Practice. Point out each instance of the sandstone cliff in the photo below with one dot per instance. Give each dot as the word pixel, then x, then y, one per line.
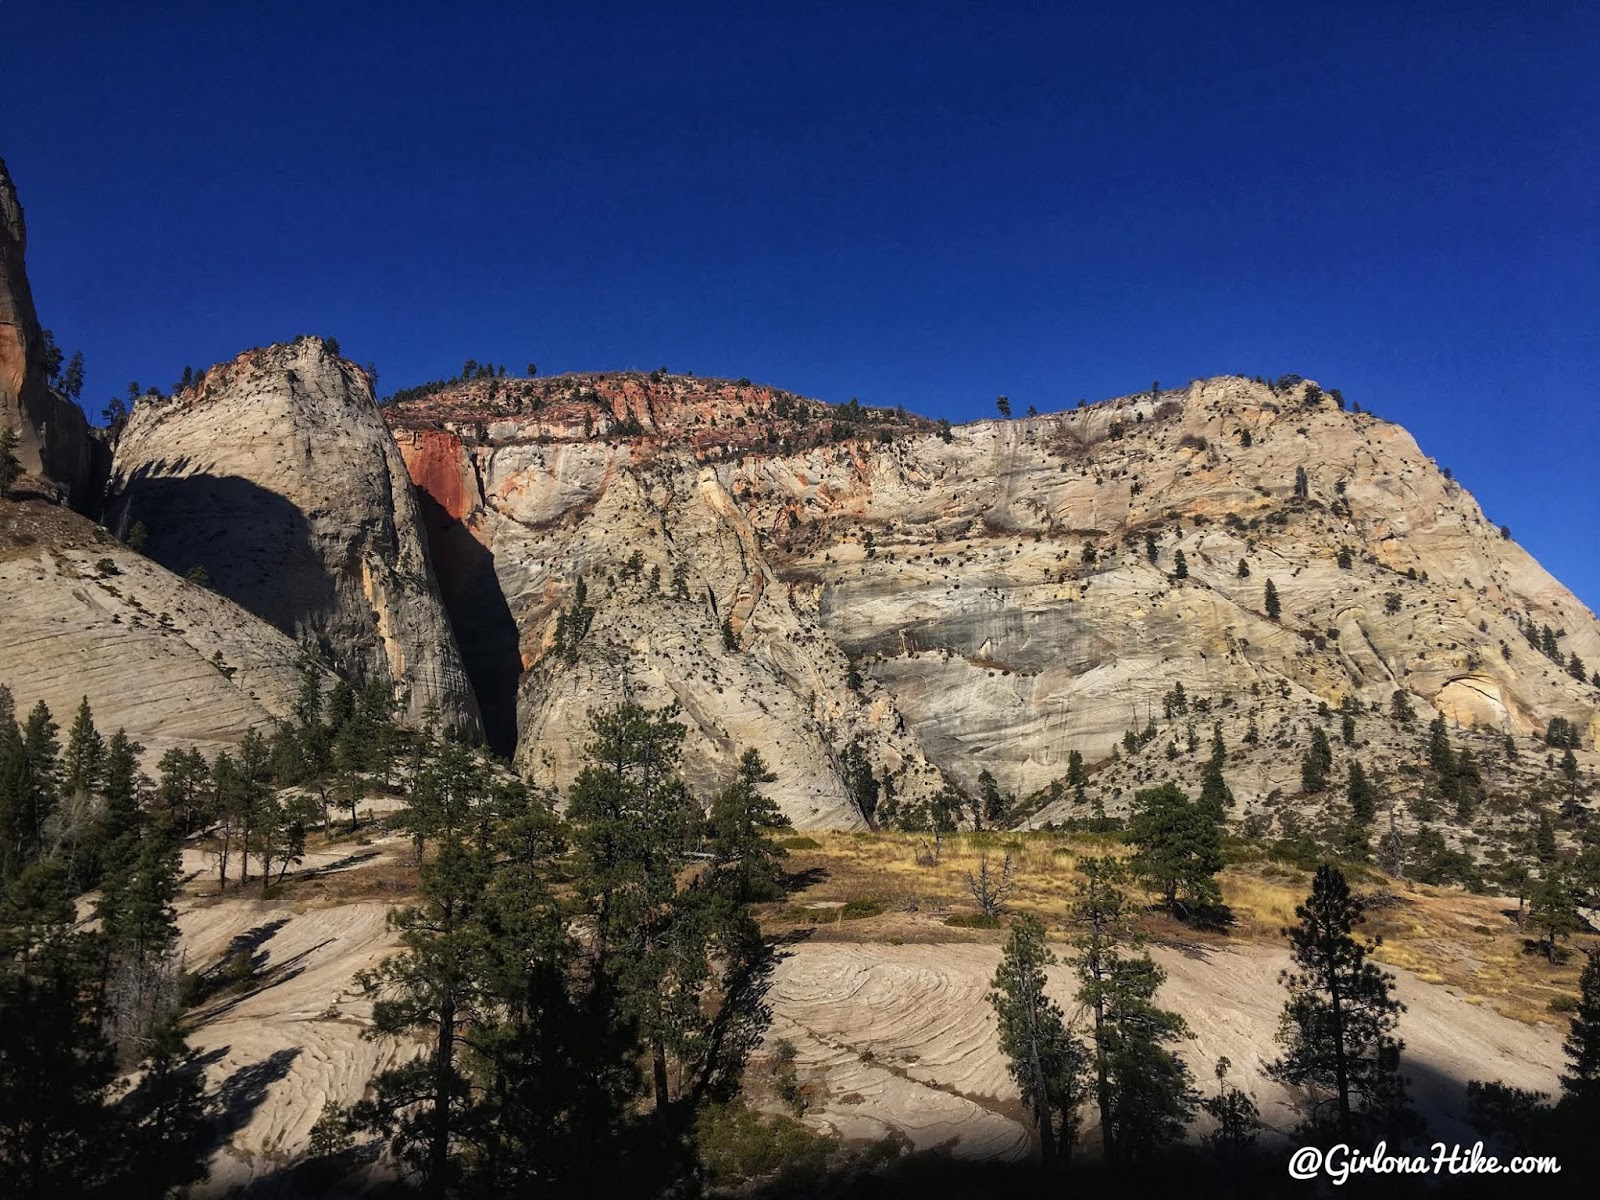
pixel 275 475
pixel 170 661
pixel 1008 590
pixel 53 435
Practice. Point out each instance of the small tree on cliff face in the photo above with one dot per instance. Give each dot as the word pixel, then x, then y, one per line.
pixel 1337 1028
pixel 1238 1120
pixel 1363 797
pixel 1274 605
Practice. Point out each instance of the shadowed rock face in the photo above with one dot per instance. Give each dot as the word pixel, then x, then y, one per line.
pixel 53 435
pixel 954 572
pixel 276 476
pixel 173 663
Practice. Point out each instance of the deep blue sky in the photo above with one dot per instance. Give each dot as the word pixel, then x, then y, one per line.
pixel 925 203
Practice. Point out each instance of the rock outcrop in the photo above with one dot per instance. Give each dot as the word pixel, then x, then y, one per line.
pixel 170 661
pixel 54 441
pixel 275 476
pixel 990 597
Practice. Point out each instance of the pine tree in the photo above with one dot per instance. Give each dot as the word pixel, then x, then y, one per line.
pixel 741 831
pixel 114 841
pixel 1216 797
pixel 1580 1085
pixel 685 961
pixel 1316 763
pixel 1180 566
pixel 56 1066
pixel 164 1125
pixel 1337 1029
pixel 554 1065
pixel 1047 1062
pixel 83 764
pixel 1179 847
pixel 1400 708
pixel 1075 775
pixel 1440 756
pixel 225 790
pixel 1274 605
pixel 144 926
pixel 1360 794
pixel 1143 1089
pixel 1553 911
pixel 1237 1117
pixel 431 989
pixel 992 802
pixel 29 780
pixel 349 753
pixel 1544 839
pixel 181 789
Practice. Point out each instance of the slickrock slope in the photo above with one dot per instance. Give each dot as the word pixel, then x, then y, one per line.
pixel 887 1037
pixel 52 433
pixel 172 662
pixel 292 1041
pixel 903 1037
pixel 993 583
pixel 276 476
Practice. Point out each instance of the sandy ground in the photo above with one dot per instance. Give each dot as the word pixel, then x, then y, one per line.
pixel 886 1036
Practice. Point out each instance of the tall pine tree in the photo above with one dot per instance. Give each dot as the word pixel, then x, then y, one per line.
pixel 1337 1028
pixel 1049 1064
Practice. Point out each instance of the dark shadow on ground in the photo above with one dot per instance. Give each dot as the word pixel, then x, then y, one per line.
pixel 246 1090
pixel 799 881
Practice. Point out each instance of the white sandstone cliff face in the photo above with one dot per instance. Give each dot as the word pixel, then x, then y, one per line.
pixel 552 515
pixel 1005 650
pixel 953 572
pixel 275 474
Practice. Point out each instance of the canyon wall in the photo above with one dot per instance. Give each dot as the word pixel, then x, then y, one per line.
pixel 985 598
pixel 53 437
pixel 275 476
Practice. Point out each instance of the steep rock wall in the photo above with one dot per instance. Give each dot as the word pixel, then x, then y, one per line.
pixel 993 584
pixel 275 475
pixel 53 435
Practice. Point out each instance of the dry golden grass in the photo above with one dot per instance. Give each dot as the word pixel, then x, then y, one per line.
pixel 884 867
pixel 1441 935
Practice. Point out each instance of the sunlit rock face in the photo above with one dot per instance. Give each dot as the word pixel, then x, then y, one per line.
pixel 991 597
pixel 53 438
pixel 275 475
